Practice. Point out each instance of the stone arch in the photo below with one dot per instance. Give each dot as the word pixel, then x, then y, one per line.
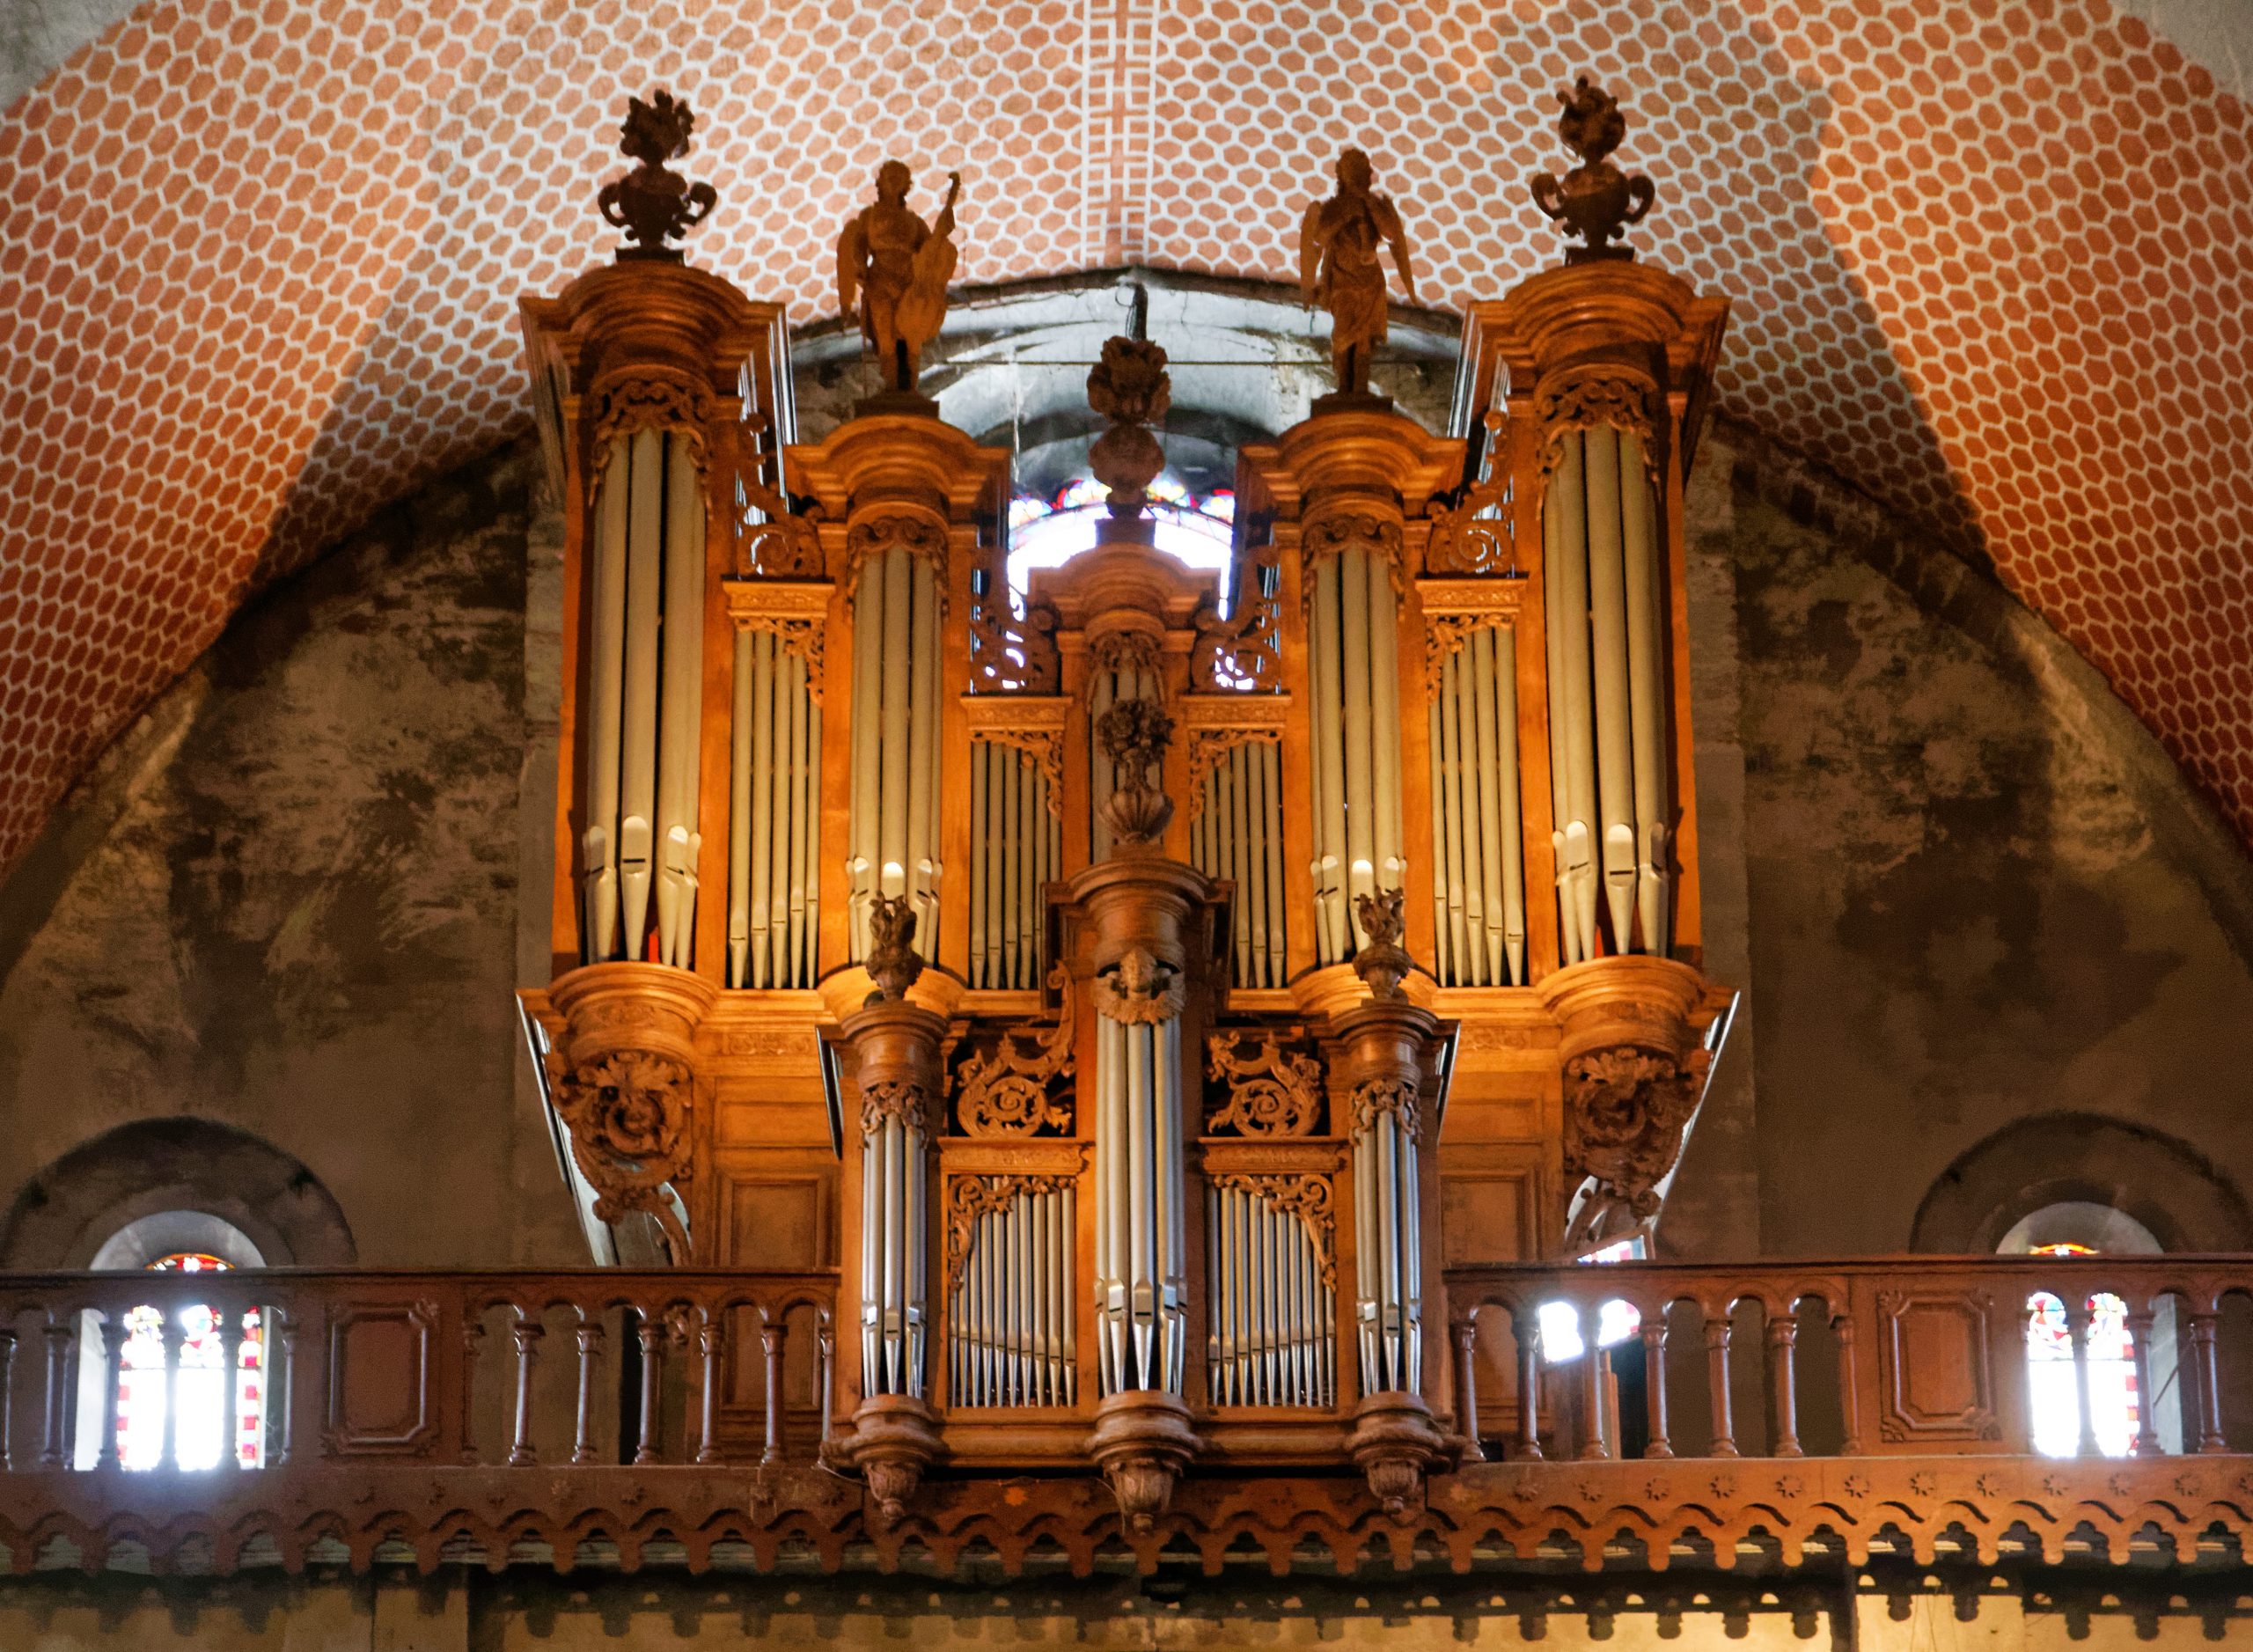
pixel 68 1212
pixel 2163 1183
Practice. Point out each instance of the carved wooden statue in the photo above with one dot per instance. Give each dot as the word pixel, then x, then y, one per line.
pixel 1338 242
pixel 897 267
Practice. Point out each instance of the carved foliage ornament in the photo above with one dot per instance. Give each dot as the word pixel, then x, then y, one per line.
pixel 800 637
pixel 631 403
pixel 772 541
pixel 1129 388
pixel 654 204
pixel 1004 1092
pixel 1243 653
pixel 627 1113
pixel 1123 649
pixel 1620 401
pixel 1626 1108
pixel 1336 531
pixel 1274 1091
pixel 1046 747
pixel 1140 990
pixel 909 531
pixel 1381 961
pixel 1210 748
pixel 1444 635
pixel 1013 653
pixel 1398 1096
pixel 900 1098
pixel 1134 735
pixel 1475 535
pixel 1305 1197
pixel 971 1198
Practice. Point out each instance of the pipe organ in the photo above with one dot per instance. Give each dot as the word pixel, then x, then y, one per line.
pixel 1135 986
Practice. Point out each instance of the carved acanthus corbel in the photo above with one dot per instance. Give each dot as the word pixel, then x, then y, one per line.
pixel 1625 1109
pixel 1400 1097
pixel 1276 1092
pixel 1134 735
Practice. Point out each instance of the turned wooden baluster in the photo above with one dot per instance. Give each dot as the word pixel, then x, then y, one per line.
pixel 1842 1323
pixel 53 1444
pixel 650 1336
pixel 826 1335
pixel 285 1330
pixel 2203 1326
pixel 1466 1388
pixel 472 1336
pixel 1526 1329
pixel 1717 1330
pixel 175 1338
pixel 113 1379
pixel 1595 1444
pixel 7 1399
pixel 1654 1383
pixel 589 1335
pixel 1783 1335
pixel 2140 1325
pixel 231 1426
pixel 526 1333
pixel 2077 1318
pixel 708 1332
pixel 772 1333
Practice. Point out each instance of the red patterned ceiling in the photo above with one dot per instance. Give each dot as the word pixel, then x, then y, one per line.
pixel 259 262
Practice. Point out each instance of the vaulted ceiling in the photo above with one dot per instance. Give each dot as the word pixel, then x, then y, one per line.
pixel 261 260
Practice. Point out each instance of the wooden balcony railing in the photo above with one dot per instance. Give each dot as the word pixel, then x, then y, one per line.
pixel 617 1417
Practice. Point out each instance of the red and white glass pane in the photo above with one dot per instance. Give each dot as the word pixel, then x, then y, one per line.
pixel 201 1394
pixel 2054 1392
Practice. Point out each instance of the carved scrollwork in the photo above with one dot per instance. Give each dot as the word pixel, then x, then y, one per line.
pixel 1399 1096
pixel 652 400
pixel 910 530
pixel 1140 990
pixel 1274 1091
pixel 1592 400
pixel 772 541
pixel 1444 635
pixel 627 1115
pixel 1626 1108
pixel 1243 653
pixel 1046 747
pixel 1306 1196
pixel 1475 535
pixel 1210 748
pixel 969 1198
pixel 1012 653
pixel 1005 1091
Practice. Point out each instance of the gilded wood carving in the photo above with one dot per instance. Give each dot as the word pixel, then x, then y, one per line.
pixel 1274 1090
pixel 1006 1092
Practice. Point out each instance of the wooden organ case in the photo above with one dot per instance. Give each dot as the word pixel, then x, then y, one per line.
pixel 1141 987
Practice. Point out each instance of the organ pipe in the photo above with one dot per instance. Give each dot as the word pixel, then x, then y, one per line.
pixel 1270 1311
pixel 644 709
pixel 1015 844
pixel 1140 1222
pixel 1236 833
pixel 1014 1310
pixel 893 1175
pixel 773 792
pixel 1354 680
pixel 1480 899
pixel 1388 1259
pixel 893 837
pixel 1609 735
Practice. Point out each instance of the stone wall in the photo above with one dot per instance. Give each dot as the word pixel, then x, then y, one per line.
pixel 288 900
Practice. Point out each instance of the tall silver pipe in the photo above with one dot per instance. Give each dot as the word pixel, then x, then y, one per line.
pixel 1325 669
pixel 1360 774
pixel 740 757
pixel 804 854
pixel 864 866
pixel 1512 812
pixel 1012 816
pixel 1646 631
pixel 605 691
pixel 1449 842
pixel 1445 966
pixel 1270 769
pixel 1102 780
pixel 782 797
pixel 1111 1199
pixel 981 858
pixel 1384 704
pixel 1567 498
pixel 680 721
pixel 1488 945
pixel 1608 627
pixel 1241 824
pixel 757 860
pixel 899 693
pixel 638 759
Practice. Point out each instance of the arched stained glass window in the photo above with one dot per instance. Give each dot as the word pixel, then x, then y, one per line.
pixel 2114 1405
pixel 195 1392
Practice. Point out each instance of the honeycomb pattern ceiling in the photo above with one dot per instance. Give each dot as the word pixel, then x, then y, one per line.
pixel 260 261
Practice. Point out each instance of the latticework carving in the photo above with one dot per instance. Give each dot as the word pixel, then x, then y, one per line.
pixel 1589 402
pixel 910 530
pixel 1398 1096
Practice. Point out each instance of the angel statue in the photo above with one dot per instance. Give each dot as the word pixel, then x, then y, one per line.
pixel 1338 266
pixel 897 267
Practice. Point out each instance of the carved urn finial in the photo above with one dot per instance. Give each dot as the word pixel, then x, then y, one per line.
pixel 1130 388
pixel 1136 734
pixel 892 962
pixel 1381 962
pixel 1597 200
pixel 654 204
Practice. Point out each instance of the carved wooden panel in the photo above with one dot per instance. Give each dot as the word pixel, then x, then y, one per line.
pixel 1486 1216
pixel 379 1396
pixel 780 1215
pixel 1935 1375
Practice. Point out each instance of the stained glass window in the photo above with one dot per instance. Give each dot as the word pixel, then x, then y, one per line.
pixel 2054 1397
pixel 199 1401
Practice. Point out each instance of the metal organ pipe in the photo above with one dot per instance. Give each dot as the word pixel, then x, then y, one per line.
pixel 1607 694
pixel 896 778
pixel 1014 840
pixel 1237 833
pixel 1140 1222
pixel 1325 669
pixel 775 753
pixel 1353 679
pixel 1012 1309
pixel 893 1268
pixel 1387 1262
pixel 1480 913
pixel 644 705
